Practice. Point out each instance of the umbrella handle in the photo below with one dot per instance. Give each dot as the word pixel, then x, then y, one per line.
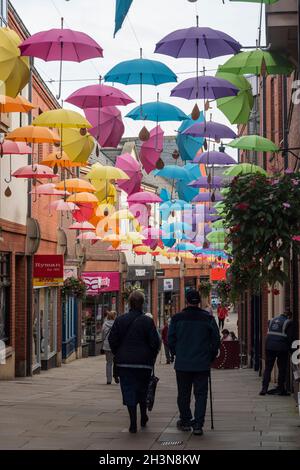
pixel 8 180
pixel 60 71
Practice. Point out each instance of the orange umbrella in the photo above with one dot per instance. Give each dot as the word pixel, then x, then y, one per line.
pixel 83 197
pixel 15 105
pixel 76 185
pixel 60 159
pixel 33 135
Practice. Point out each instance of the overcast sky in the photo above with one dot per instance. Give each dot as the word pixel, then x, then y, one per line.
pixel 148 22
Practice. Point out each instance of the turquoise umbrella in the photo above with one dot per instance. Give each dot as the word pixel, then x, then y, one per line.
pixel 157 111
pixel 173 172
pixel 122 8
pixel 188 145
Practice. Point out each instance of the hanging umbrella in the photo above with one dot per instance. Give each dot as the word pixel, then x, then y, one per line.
pixel 208 197
pixel 175 205
pixel 243 169
pixel 76 185
pixel 61 206
pixel 204 87
pixel 15 105
pixel 78 146
pixel 61 45
pixel 151 149
pixel 237 108
pixel 33 134
pixel 14 69
pixel 258 62
pixel 9 147
pixel 188 145
pixel 60 159
pixel 210 130
pixel 144 197
pixel 82 226
pixel 83 198
pixel 165 195
pixel 98 96
pixel 61 118
pixel 122 215
pixel 214 158
pixel 173 172
pixel 34 171
pixel 100 172
pixel 185 192
pixel 132 169
pixel 157 111
pixel 254 143
pixel 216 237
pixel 176 227
pixel 204 182
pixel 153 233
pixel 111 128
pixel 185 247
pixel 48 189
pixel 122 8
pixel 218 225
pixel 90 236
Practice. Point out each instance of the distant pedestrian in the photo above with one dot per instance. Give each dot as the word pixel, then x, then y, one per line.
pixel 226 336
pixel 194 340
pixel 206 306
pixel 107 326
pixel 135 342
pixel 279 340
pixel 233 336
pixel 222 313
pixel 164 335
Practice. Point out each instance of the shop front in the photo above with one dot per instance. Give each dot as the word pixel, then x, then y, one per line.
pixel 102 296
pixel 141 277
pixel 168 299
pixel 190 283
pixel 71 309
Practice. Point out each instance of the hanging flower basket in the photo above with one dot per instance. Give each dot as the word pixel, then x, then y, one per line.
pixel 74 287
pixel 129 289
pixel 205 288
pixel 224 292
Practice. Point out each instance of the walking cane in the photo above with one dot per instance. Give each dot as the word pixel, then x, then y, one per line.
pixel 211 403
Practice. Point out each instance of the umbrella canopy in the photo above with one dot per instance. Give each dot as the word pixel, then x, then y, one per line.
pixel 84 198
pixel 111 128
pixel 255 143
pixel 59 159
pixel 77 146
pixel 165 195
pixel 100 172
pixel 140 72
pixel 157 111
pixel 14 69
pixel 122 8
pixel 176 227
pixel 34 135
pixel 203 182
pixel 204 87
pixel 48 189
pixel 185 247
pixel 132 169
pixel 61 205
pixel 34 171
pixel 237 108
pixel 173 172
pixel 208 197
pixel 204 43
pixel 175 205
pixel 82 226
pixel 8 147
pixel 258 62
pixel 216 237
pixel 90 236
pixel 153 233
pixel 151 149
pixel 214 158
pixel 15 105
pixel 98 96
pixel 144 197
pixel 244 169
pixel 188 145
pixel 184 191
pixel 211 130
pixel 76 185
pixel 61 118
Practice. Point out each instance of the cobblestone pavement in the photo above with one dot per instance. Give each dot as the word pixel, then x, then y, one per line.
pixel 72 408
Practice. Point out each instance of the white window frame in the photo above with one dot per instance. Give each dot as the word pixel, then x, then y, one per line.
pixel 3 12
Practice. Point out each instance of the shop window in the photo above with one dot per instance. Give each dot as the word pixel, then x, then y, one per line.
pixel 3 12
pixel 5 286
pixel 45 324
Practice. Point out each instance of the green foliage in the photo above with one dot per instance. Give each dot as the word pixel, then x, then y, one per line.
pixel 225 293
pixel 205 288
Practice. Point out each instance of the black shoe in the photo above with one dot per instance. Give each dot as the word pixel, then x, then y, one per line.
pixel 185 427
pixel 274 391
pixel 108 383
pixel 197 430
pixel 284 393
pixel 144 421
pixel 117 381
pixel 263 391
pixel 133 429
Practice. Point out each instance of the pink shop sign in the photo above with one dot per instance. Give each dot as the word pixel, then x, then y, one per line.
pixel 98 282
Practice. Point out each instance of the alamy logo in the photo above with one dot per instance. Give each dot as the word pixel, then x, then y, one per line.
pixel 2 353
pixel 296 353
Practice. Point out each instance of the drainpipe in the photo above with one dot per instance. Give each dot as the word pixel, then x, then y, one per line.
pixel 285 122
pixel 264 116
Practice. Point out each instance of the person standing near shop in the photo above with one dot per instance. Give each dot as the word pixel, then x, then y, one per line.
pixel 164 337
pixel 107 326
pixel 194 340
pixel 222 314
pixel 135 343
pixel 279 340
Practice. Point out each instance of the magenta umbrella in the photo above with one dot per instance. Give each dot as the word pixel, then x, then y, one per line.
pixel 141 212
pixel 62 45
pixel 99 96
pixel 144 197
pixel 132 168
pixel 151 149
pixel 112 127
pixel 34 171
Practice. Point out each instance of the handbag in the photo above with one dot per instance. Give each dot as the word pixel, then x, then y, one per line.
pixel 152 390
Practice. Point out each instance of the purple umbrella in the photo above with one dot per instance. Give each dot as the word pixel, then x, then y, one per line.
pixel 63 45
pixel 214 158
pixel 211 130
pixel 208 197
pixel 202 182
pixel 99 96
pixel 112 127
pixel 204 88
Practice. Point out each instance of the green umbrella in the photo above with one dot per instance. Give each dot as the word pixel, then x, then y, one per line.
pixel 258 62
pixel 224 191
pixel 216 237
pixel 236 108
pixel 218 225
pixel 256 143
pixel 244 169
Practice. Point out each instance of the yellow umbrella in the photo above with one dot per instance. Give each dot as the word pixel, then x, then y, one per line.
pixel 77 145
pixel 76 185
pixel 15 105
pixel 100 172
pixel 62 118
pixel 114 238
pixel 122 215
pixel 105 210
pixel 142 249
pixel 106 193
pixel 14 69
pixel 135 238
pixel 60 159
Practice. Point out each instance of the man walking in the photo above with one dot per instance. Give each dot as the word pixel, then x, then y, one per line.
pixel 278 344
pixel 195 340
pixel 164 337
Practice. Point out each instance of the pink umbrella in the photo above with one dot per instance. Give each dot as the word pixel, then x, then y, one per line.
pixel 132 168
pixel 82 226
pixel 63 45
pixel 62 205
pixel 99 96
pixel 141 212
pixel 49 189
pixel 111 125
pixel 84 212
pixel 152 149
pixel 88 236
pixel 34 171
pixel 153 236
pixel 8 147
pixel 144 197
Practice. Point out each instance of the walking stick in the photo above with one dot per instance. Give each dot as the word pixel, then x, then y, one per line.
pixel 211 403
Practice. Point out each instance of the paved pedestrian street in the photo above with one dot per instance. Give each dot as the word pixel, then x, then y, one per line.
pixel 72 408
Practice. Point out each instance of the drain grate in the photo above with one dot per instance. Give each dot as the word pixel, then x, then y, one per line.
pixel 171 443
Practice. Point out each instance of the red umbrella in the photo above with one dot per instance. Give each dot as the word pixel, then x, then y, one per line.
pixel 84 212
pixel 152 149
pixel 132 168
pixel 34 171
pixel 111 128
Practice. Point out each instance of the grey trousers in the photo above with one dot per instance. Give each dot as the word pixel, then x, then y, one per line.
pixel 109 365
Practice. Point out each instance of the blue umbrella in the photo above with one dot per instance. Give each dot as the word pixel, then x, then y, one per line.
pixel 157 111
pixel 176 227
pixel 169 242
pixel 165 195
pixel 185 247
pixel 122 8
pixel 173 172
pixel 188 145
pixel 185 192
pixel 175 205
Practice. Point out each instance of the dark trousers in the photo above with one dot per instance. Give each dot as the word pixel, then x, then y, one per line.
pixel 221 323
pixel 169 355
pixel 185 382
pixel 134 385
pixel 282 364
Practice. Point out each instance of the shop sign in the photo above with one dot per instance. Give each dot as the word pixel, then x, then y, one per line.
pixel 48 270
pixel 142 273
pixel 98 282
pixel 168 285
pixel 70 271
pixel 160 273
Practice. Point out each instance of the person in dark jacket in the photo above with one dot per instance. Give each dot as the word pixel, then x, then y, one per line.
pixel 135 343
pixel 194 340
pixel 279 340
pixel 164 337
